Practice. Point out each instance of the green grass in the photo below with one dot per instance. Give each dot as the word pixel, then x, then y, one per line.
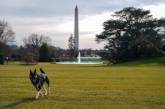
pixel 134 85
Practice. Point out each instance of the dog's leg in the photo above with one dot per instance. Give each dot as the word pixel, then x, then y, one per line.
pixel 41 93
pixel 38 93
pixel 46 92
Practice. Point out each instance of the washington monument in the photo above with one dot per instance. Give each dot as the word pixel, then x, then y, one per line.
pixel 76 30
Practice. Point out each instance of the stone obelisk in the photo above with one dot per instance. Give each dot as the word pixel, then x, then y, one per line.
pixel 76 30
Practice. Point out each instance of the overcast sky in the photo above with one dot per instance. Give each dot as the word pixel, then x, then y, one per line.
pixel 55 18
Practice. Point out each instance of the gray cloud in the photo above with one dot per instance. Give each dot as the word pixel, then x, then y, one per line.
pixel 65 7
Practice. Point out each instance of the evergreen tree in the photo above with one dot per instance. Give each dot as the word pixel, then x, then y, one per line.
pixel 133 34
pixel 44 54
pixel 71 46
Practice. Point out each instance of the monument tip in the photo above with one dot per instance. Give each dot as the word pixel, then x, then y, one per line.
pixel 76 6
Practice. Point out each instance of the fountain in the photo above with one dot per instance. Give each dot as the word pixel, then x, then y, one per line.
pixel 83 60
pixel 79 58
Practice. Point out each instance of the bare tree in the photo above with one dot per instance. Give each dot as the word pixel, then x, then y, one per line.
pixel 6 33
pixel 33 44
pixel 6 36
pixel 36 40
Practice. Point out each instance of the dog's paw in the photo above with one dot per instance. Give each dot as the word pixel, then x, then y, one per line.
pixel 46 93
pixel 36 97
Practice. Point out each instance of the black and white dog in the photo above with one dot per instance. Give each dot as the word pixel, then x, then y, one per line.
pixel 38 80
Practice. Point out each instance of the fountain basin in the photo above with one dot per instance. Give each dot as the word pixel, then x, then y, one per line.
pixel 84 60
pixel 79 63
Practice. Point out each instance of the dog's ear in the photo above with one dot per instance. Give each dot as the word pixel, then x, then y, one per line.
pixel 41 70
pixel 34 71
pixel 31 72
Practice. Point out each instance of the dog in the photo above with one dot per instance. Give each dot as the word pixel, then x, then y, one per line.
pixel 38 80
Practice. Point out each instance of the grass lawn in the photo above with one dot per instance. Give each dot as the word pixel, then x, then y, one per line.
pixel 126 86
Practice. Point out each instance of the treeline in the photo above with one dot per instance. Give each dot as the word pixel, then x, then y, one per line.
pixel 36 48
pixel 131 34
pixel 46 53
